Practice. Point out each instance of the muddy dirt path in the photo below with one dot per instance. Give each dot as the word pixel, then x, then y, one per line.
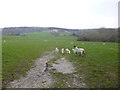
pixel 41 75
pixel 62 65
pixel 36 77
pixel 67 74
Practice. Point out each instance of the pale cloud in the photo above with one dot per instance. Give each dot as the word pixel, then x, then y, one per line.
pixel 59 13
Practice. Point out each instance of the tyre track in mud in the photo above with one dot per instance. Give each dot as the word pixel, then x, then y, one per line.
pixel 36 77
pixel 41 74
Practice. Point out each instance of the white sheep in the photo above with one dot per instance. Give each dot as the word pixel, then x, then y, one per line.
pixel 56 50
pixel 79 51
pixel 62 50
pixel 103 43
pixel 71 43
pixel 4 41
pixel 75 51
pixel 68 51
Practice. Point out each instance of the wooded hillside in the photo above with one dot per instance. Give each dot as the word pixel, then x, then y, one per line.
pixel 103 34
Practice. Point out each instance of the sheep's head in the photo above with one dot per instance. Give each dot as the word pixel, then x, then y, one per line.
pixel 74 46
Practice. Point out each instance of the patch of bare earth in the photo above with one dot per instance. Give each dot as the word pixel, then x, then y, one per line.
pixel 36 77
pixel 68 73
pixel 64 66
pixel 41 75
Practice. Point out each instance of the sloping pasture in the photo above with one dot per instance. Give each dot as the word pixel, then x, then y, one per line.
pixel 99 66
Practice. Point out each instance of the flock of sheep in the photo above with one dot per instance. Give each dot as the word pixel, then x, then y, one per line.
pixel 76 50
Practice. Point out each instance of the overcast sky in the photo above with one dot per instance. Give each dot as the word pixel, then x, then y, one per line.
pixel 77 14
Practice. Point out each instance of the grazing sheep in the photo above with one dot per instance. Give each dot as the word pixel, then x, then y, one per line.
pixel 4 41
pixel 56 50
pixel 75 51
pixel 68 51
pixel 71 43
pixel 79 51
pixel 103 43
pixel 62 50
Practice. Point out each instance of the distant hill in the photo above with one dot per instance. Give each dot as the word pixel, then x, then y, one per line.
pixel 22 30
pixel 98 34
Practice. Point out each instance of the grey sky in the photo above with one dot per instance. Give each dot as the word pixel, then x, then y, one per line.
pixel 59 13
pixel 119 14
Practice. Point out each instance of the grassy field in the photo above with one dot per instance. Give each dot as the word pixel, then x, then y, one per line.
pixel 100 65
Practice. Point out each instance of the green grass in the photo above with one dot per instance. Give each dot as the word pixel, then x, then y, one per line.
pixel 64 80
pixel 61 81
pixel 100 65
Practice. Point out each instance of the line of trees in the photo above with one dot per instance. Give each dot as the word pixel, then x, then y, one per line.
pixel 103 34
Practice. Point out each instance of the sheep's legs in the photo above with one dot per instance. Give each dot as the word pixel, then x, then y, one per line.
pixel 75 53
pixel 80 54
